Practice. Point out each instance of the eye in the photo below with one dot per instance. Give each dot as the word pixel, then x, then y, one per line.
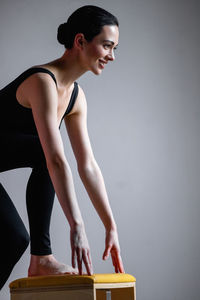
pixel 107 46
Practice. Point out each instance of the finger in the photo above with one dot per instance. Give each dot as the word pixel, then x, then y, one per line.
pixel 106 252
pixel 114 261
pixel 79 261
pixel 118 261
pixel 121 267
pixel 73 258
pixel 89 257
pixel 87 263
pixel 90 260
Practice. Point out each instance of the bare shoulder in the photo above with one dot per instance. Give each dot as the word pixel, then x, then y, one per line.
pixel 37 86
pixel 39 82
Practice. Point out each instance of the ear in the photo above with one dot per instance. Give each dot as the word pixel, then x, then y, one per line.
pixel 79 40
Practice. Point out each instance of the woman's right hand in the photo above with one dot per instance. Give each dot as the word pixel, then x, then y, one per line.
pixel 80 249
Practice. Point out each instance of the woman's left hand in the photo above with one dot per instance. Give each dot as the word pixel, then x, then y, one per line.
pixel 112 247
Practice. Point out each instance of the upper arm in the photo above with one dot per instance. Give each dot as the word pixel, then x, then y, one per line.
pixel 42 97
pixel 76 125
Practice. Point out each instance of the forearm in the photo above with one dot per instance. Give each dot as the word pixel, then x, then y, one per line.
pixel 93 181
pixel 62 180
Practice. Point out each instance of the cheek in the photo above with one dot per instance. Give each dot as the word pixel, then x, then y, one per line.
pixel 96 52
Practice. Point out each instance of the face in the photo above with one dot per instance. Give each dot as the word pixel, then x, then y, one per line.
pixel 100 50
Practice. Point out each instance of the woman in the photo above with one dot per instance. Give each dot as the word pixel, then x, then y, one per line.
pixel 32 109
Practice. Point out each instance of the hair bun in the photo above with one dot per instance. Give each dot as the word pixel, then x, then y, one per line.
pixel 62 32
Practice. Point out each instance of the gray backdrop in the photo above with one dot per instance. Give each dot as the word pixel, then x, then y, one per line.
pixel 143 119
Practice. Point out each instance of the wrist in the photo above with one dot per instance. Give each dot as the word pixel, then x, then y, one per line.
pixel 111 226
pixel 77 225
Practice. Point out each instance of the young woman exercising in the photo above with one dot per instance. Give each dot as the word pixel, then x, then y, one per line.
pixel 33 107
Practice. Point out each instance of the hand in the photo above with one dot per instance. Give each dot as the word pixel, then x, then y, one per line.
pixel 112 247
pixel 80 249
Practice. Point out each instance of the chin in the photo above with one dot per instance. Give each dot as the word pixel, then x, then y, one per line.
pixel 96 71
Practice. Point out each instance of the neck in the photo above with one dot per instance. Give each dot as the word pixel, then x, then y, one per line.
pixel 67 68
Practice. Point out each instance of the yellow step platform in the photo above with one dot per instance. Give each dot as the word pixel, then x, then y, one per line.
pixel 75 287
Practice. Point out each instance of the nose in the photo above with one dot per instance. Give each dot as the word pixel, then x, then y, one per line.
pixel 111 55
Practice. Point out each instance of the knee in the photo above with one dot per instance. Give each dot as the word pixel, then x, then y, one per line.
pixel 14 248
pixel 20 244
pixel 23 241
pixel 12 253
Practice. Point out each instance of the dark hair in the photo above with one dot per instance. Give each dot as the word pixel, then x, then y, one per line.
pixel 88 20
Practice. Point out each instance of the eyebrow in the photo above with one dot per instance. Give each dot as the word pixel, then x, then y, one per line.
pixel 110 42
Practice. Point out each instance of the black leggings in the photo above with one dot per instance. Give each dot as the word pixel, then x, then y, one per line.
pixel 19 150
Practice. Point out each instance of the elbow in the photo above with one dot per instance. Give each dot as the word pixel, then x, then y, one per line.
pixel 56 161
pixel 87 167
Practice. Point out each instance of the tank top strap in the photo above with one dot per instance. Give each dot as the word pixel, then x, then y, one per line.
pixel 72 99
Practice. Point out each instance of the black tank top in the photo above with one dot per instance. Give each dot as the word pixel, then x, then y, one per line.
pixel 14 116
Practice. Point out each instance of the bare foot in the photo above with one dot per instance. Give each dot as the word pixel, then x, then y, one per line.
pixel 48 265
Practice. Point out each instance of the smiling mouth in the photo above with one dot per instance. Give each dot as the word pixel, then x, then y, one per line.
pixel 102 63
